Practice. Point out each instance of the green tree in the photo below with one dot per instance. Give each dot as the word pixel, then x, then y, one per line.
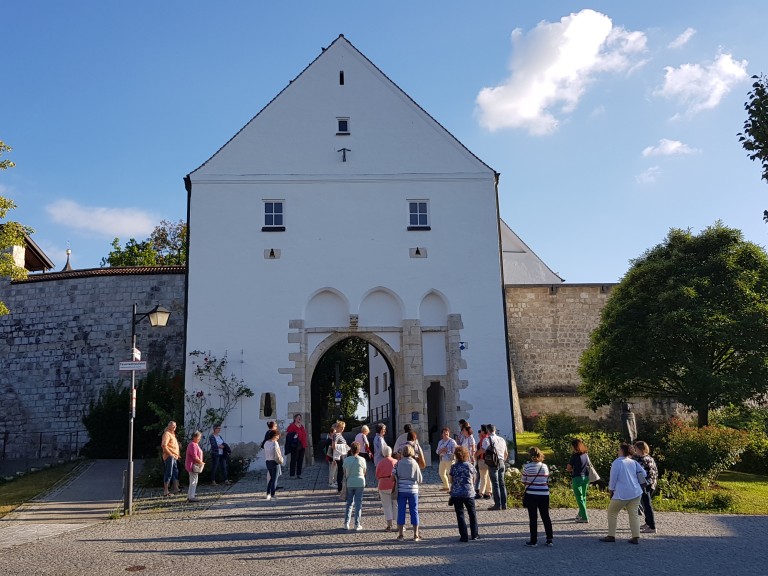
pixel 687 322
pixel 352 357
pixel 11 234
pixel 166 246
pixel 754 139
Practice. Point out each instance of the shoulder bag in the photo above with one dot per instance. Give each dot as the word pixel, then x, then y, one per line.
pixel 278 454
pixel 593 475
pixel 198 468
pixel 526 501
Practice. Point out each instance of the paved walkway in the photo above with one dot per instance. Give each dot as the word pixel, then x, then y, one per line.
pixel 234 530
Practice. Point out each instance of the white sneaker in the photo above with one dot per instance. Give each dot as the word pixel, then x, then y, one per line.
pixel 648 530
pixel 359 527
pixel 346 525
pixel 269 497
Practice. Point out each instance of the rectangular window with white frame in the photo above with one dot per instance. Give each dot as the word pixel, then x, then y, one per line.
pixel 342 126
pixel 274 216
pixel 376 386
pixel 418 215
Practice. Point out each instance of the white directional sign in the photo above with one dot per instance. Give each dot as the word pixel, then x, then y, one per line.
pixel 128 366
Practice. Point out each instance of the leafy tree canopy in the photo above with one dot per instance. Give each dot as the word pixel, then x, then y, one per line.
pixel 689 321
pixel 11 234
pixel 166 246
pixel 754 139
pixel 352 357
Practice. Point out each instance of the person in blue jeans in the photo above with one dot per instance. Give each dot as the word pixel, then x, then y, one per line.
pixel 463 475
pixel 499 445
pixel 218 454
pixel 409 477
pixel 354 472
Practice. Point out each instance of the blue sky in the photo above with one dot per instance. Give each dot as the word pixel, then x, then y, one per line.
pixel 610 122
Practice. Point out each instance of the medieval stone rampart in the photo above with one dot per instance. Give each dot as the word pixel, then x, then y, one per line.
pixel 62 342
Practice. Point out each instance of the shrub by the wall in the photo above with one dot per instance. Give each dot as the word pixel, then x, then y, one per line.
pixel 701 453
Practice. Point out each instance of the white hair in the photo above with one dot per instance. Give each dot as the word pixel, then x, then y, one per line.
pixel 386 451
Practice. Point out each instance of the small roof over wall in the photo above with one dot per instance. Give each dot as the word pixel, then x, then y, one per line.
pixel 35 260
pixel 521 265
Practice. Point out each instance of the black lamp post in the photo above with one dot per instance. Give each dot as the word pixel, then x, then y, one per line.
pixel 158 316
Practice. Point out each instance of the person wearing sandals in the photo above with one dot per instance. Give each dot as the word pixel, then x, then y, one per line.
pixel 463 476
pixel 643 456
pixel 385 474
pixel 408 475
pixel 354 473
pixel 194 456
pixel 578 466
pixel 536 496
pixel 625 490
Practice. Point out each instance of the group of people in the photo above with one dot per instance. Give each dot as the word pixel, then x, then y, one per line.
pixel 632 481
pixel 466 474
pixel 193 461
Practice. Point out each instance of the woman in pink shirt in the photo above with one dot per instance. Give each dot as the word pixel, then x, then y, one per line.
pixel 386 477
pixel 194 456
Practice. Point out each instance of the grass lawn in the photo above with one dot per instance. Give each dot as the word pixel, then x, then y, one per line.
pixel 751 491
pixel 15 493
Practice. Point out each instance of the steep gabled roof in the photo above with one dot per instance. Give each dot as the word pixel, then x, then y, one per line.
pixel 341 41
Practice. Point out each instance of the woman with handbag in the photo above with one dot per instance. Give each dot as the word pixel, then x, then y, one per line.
pixel 483 487
pixel 578 466
pixel 274 459
pixel 418 453
pixel 625 490
pixel 536 495
pixel 296 445
pixel 385 474
pixel 194 465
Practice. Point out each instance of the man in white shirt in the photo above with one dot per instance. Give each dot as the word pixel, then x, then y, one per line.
pixel 402 440
pixel 497 472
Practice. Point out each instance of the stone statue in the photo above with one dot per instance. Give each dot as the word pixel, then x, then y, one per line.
pixel 628 424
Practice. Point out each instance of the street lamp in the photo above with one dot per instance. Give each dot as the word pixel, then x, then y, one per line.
pixel 158 316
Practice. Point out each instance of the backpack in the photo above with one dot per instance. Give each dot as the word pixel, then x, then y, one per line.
pixel 490 457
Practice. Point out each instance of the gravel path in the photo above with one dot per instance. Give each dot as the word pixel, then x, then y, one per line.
pixel 234 530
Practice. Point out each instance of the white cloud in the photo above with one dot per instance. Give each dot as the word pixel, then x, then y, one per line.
pixel 649 175
pixel 702 87
pixel 682 40
pixel 669 148
pixel 122 223
pixel 551 67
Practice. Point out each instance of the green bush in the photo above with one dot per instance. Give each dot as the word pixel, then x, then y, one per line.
pixel 754 421
pixel 554 427
pixel 701 453
pixel 676 492
pixel 159 399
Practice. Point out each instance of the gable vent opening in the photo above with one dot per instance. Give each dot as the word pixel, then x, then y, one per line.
pixel 341 77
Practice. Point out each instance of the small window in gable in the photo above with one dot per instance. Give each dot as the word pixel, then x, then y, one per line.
pixel 274 216
pixel 342 126
pixel 341 77
pixel 418 215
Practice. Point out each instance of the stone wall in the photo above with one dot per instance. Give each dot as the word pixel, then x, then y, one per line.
pixel 549 328
pixel 62 342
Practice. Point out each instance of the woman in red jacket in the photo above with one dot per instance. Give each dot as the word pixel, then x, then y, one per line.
pixel 296 444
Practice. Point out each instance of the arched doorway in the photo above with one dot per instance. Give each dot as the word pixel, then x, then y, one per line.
pixel 356 370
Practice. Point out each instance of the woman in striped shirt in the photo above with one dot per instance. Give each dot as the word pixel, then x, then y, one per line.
pixel 536 496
